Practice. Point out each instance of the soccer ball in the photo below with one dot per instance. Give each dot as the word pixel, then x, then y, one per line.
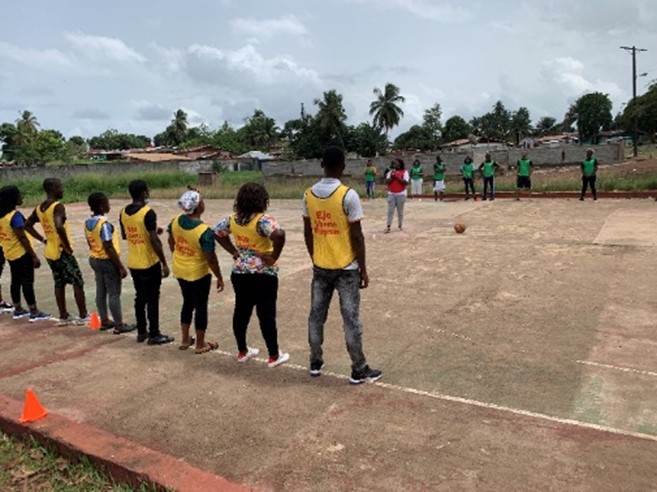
pixel 459 227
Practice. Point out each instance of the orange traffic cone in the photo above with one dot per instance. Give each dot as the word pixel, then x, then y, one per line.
pixel 94 321
pixel 32 409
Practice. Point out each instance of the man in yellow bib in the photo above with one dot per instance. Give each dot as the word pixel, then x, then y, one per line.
pixel 334 238
pixel 146 262
pixel 59 251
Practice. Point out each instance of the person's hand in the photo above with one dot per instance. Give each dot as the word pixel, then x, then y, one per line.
pixel 122 272
pixel 267 259
pixel 220 284
pixel 36 261
pixel 68 250
pixel 364 280
pixel 159 231
pixel 165 271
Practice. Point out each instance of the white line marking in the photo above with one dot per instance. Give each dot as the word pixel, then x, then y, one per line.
pixel 476 403
pixel 617 368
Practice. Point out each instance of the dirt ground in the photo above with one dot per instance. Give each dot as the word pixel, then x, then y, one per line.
pixel 519 355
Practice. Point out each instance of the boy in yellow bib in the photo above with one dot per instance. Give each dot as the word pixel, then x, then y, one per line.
pixel 146 262
pixel 59 251
pixel 191 242
pixel 259 241
pixel 334 238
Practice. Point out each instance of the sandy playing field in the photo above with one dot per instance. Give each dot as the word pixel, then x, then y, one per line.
pixel 519 355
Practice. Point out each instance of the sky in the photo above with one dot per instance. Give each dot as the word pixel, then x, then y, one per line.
pixel 85 66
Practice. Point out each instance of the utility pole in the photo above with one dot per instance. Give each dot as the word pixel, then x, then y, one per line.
pixel 635 116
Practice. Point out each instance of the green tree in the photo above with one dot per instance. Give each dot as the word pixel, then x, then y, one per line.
pixel 303 137
pixel 456 128
pixel 593 114
pixel 260 131
pixel 418 137
pixel 645 110
pixel 8 137
pixel 111 139
pixel 431 121
pixel 495 124
pixel 368 140
pixel 547 125
pixel 331 118
pixel 385 108
pixel 76 148
pixel 521 124
pixel 27 123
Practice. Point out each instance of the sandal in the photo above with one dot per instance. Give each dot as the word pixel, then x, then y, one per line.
pixel 185 346
pixel 208 347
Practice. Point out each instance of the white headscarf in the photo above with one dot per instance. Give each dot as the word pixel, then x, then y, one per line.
pixel 189 201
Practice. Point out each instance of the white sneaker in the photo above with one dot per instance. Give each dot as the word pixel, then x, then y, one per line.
pixel 80 321
pixel 282 358
pixel 65 321
pixel 250 354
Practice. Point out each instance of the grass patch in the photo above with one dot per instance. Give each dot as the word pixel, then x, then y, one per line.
pixel 26 465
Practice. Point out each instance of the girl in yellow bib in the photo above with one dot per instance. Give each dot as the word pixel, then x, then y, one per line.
pixel 192 243
pixel 19 253
pixel 259 241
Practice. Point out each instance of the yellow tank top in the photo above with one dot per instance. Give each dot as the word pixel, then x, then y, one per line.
pixel 96 248
pixel 141 254
pixel 54 244
pixel 247 237
pixel 12 247
pixel 189 262
pixel 332 247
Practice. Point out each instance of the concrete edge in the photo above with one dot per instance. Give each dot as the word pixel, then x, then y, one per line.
pixel 125 461
pixel 550 194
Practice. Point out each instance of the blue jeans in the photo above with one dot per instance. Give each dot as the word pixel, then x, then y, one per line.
pixel 347 283
pixel 369 189
pixel 489 182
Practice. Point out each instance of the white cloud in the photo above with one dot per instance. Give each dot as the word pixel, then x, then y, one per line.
pixel 569 76
pixel 101 47
pixel 147 111
pixel 268 28
pixel 426 9
pixel 34 57
pixel 90 114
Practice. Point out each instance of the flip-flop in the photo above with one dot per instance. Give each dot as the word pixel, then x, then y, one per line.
pixel 208 347
pixel 192 340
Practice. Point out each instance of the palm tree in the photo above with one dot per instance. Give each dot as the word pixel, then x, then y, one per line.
pixel 179 122
pixel 385 108
pixel 331 116
pixel 27 123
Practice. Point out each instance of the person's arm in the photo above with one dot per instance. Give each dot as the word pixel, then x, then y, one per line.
pixel 29 227
pixel 308 236
pixel 59 215
pixel 226 243
pixel 153 234
pixel 213 263
pixel 404 178
pixel 108 246
pixel 531 168
pixel 595 166
pixel 123 236
pixel 390 175
pixel 278 238
pixel 171 241
pixel 358 243
pixel 481 168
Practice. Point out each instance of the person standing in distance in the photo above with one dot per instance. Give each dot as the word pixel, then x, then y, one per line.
pixel 487 170
pixel 438 179
pixel 417 178
pixel 589 171
pixel 397 181
pixel 467 172
pixel 334 238
pixel 525 168
pixel 370 179
pixel 146 262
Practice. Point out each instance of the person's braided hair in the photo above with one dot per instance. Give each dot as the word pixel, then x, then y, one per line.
pixel 251 198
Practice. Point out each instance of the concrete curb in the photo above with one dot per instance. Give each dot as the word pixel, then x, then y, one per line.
pixel 123 460
pixel 552 194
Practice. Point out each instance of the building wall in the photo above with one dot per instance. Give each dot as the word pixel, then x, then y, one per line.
pixel 545 156
pixel 18 173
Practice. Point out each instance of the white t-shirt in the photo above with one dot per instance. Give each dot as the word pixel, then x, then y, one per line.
pixel 351 204
pixel 406 178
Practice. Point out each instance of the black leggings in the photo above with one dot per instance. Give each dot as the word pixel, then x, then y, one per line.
pixel 22 278
pixel 259 290
pixel 589 180
pixel 195 301
pixel 147 298
pixel 469 183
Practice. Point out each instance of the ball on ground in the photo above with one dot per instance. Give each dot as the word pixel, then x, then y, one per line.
pixel 459 227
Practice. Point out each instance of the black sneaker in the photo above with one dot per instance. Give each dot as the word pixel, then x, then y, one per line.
pixel 316 369
pixel 364 375
pixel 160 340
pixel 142 337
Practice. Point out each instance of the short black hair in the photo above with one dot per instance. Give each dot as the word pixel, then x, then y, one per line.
pixel 137 187
pixel 50 183
pixel 402 166
pixel 9 196
pixel 252 198
pixel 333 157
pixel 96 200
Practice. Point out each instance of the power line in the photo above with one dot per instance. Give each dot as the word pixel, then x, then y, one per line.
pixel 635 136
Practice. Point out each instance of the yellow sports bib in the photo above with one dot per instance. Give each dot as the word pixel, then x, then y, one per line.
pixel 189 262
pixel 11 246
pixel 141 254
pixel 54 244
pixel 332 248
pixel 96 248
pixel 247 237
